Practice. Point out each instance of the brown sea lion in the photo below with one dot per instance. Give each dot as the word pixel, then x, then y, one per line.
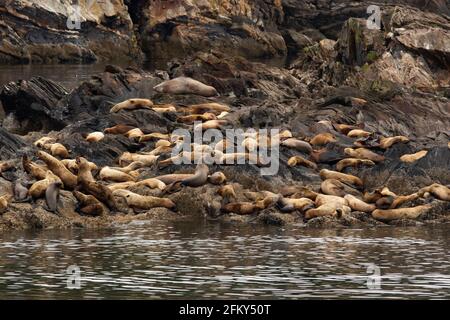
pixel 217 178
pixel 227 193
pixel 53 164
pixel 154 136
pixel 343 177
pixel 185 85
pixel 136 201
pixel 57 150
pixel 84 170
pixel 119 129
pixel 359 205
pixel 298 145
pixel 200 177
pixel 410 158
pixel 361 153
pixel 353 162
pixel 38 189
pixel 95 136
pixel 401 213
pixel 72 165
pixel 99 191
pixel 438 191
pixel 399 200
pixel 358 133
pixel 300 161
pixel 132 104
pixel 335 187
pixel 190 119
pixel 211 107
pixel 242 208
pixel 4 202
pixel 289 205
pixel 109 174
pixel 7 165
pixel 89 205
pixel 387 142
pixel 322 139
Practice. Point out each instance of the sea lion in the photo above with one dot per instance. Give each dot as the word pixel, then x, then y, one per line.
pixel 326 156
pixel 4 202
pixel 72 165
pixel 399 200
pixel 211 124
pixel 289 205
pixel 300 161
pixel 20 192
pixel 119 129
pixel 199 178
pixel 335 187
pixel 346 128
pixel 372 197
pixel 174 177
pixel 84 171
pixel 217 178
pixel 387 142
pixel 52 196
pixel 298 145
pixel 134 133
pixel 321 211
pixel 335 201
pixel 40 143
pixel 109 174
pixel 385 202
pixel 99 191
pixel 57 150
pixel 322 139
pixel 343 177
pixel 233 158
pixel 90 205
pixel 158 151
pixel 190 119
pixel 152 183
pixel 362 153
pixel 358 133
pixel 208 107
pixel 131 167
pixel 155 136
pixel 353 162
pixel 136 201
pixel 121 185
pixel 53 164
pixel 401 213
pixel 163 143
pixel 410 158
pixel 185 85
pixel 164 109
pixel 132 104
pixel 438 191
pixel 38 189
pixel 147 160
pixel 359 205
pixel 242 208
pixel 227 193
pixel 7 165
pixel 95 136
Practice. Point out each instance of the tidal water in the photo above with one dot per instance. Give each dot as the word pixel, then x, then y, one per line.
pixel 198 260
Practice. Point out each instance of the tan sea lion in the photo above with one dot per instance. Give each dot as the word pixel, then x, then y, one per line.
pixel 346 128
pixel 132 104
pixel 359 205
pixel 401 213
pixel 300 161
pixel 147 160
pixel 38 189
pixel 298 145
pixel 185 85
pixel 131 167
pixel 353 162
pixel 322 139
pixel 227 193
pixel 190 119
pixel 335 187
pixel 152 183
pixel 362 153
pixel 95 136
pixel 410 158
pixel 109 174
pixel 121 185
pixel 154 136
pixel 321 211
pixel 211 124
pixel 53 164
pixel 358 133
pixel 217 178
pixel 136 201
pixel 438 191
pixel 242 208
pixel 90 205
pixel 164 109
pixel 387 142
pixel 211 107
pixel 57 150
pixel 158 151
pixel 72 165
pixel 343 177
pixel 4 202
pixel 302 204
pixel 399 200
pixel 40 143
pixel 134 134
pixel 297 192
pixel 162 143
pixel 171 178
pixel 119 129
pixel 335 201
pixel 84 170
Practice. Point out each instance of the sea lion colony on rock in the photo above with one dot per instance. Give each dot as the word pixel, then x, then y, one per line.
pixel 98 190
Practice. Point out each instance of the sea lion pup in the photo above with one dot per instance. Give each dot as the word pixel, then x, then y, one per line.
pixel 89 205
pixel 211 124
pixel 147 160
pixel 335 187
pixel 212 107
pixel 298 145
pixel 217 178
pixel 387 142
pixel 4 202
pixel 190 119
pixel 132 104
pixel 152 183
pixel 38 189
pixel 346 128
pixel 138 202
pixel 322 139
pixel 359 205
pixel 111 175
pixel 185 85
pixel 95 136
pixel 362 153
pixel 401 213
pixel 52 196
pixel 57 150
pixel 438 191
pixel 154 136
pixel 53 164
pixel 289 205
pixel 342 177
pixel 40 143
pixel 358 133
pixel 410 158
pixel 119 129
pixel 353 162
pixel 399 200
pixel 300 161
pixel 134 133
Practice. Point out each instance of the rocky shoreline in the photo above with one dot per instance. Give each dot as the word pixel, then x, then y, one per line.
pixel 385 83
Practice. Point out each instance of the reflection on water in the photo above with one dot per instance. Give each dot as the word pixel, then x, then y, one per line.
pixel 195 260
pixel 68 75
